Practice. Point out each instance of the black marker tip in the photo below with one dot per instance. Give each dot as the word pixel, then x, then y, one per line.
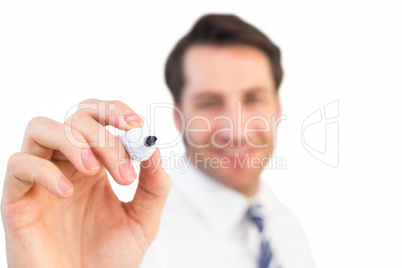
pixel 150 141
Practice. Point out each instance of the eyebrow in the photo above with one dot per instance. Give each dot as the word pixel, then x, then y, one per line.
pixel 204 95
pixel 257 90
pixel 210 93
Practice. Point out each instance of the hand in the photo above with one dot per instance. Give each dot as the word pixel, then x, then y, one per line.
pixel 58 207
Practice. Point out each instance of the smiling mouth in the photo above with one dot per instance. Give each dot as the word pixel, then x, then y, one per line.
pixel 233 153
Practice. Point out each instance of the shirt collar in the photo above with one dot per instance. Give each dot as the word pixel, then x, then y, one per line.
pixel 221 207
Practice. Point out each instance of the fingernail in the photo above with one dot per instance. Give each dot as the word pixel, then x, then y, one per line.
pixel 65 185
pixel 135 124
pixel 127 171
pixel 89 160
pixel 133 119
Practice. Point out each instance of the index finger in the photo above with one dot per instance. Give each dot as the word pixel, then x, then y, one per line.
pixel 114 113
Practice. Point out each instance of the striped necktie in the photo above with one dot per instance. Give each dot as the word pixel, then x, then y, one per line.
pixel 255 216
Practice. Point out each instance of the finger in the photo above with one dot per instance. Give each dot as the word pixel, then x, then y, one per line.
pixel 58 156
pixel 152 191
pixel 106 146
pixel 114 113
pixel 44 135
pixel 23 170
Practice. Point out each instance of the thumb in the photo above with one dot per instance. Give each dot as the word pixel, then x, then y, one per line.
pixel 149 199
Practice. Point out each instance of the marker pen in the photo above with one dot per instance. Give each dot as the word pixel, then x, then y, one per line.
pixel 138 143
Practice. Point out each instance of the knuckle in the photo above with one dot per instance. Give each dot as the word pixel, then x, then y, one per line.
pixel 34 122
pixel 69 119
pixel 71 137
pixel 13 161
pixel 120 106
pixel 118 103
pixel 81 117
pixel 87 105
pixel 91 100
pixel 42 169
pixel 75 132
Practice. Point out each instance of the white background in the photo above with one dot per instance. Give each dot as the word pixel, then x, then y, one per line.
pixel 53 54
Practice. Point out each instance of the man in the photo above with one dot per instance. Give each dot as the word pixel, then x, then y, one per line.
pixel 59 210
pixel 224 76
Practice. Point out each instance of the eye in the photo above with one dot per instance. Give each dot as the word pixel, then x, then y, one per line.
pixel 207 104
pixel 252 99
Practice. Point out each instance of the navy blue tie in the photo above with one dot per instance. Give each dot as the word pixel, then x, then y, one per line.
pixel 255 215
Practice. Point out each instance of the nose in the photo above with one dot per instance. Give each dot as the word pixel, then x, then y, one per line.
pixel 229 126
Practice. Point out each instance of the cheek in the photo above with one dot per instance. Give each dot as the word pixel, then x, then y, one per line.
pixel 258 131
pixel 198 130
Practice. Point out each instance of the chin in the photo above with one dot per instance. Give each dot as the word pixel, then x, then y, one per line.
pixel 241 180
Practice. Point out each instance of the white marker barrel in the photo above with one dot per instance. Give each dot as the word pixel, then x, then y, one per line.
pixel 139 144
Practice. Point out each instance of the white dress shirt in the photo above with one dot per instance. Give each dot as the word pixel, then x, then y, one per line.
pixel 204 225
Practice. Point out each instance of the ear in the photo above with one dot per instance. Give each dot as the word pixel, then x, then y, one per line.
pixel 178 117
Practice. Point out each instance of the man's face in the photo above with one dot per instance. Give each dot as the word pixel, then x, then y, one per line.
pixel 231 110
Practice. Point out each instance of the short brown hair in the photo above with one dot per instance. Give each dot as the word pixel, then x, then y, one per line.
pixel 219 29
